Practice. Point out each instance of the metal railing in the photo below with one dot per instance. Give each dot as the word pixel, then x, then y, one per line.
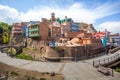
pixel 106 60
pixel 4 77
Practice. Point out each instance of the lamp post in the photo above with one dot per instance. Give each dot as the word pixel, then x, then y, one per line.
pixel 76 55
pixel 112 73
pixel 52 75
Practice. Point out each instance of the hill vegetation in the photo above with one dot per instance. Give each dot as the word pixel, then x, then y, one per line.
pixel 5 32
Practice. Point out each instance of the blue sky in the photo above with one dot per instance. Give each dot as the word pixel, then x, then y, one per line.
pixel 103 14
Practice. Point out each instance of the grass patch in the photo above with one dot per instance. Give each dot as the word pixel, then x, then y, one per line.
pixel 26 48
pixel 24 56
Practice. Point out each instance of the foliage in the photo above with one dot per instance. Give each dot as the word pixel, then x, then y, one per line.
pixel 26 48
pixel 34 49
pixel 29 77
pixel 14 73
pixel 24 56
pixel 5 26
pixel 5 37
pixel 58 19
pixel 58 49
pixel 1 30
pixel 43 79
pixel 117 69
pixel 12 51
pixel 4 31
pixel 46 73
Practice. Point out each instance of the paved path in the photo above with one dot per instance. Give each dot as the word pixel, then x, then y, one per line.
pixel 81 70
pixel 112 57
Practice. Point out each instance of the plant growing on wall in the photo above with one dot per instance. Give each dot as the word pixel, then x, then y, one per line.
pixel 24 56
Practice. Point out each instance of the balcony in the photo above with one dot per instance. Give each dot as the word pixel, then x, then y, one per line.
pixel 35 29
pixel 33 35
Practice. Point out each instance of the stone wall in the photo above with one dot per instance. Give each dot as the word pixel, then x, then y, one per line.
pixel 67 52
pixel 56 53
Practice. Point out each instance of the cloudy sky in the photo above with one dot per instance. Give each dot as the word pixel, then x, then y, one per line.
pixel 103 14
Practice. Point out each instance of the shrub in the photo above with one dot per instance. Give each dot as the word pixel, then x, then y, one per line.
pixel 46 72
pixel 58 49
pixel 26 48
pixel 12 51
pixel 26 77
pixel 43 79
pixel 24 56
pixel 14 73
pixel 34 49
pixel 118 69
pixel 5 38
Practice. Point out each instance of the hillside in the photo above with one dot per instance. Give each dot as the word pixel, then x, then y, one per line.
pixel 88 27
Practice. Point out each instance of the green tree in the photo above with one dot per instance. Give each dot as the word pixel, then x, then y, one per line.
pixel 1 31
pixel 4 31
pixel 4 26
pixel 58 19
pixel 5 37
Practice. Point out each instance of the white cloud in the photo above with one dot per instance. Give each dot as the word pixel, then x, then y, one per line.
pixel 77 11
pixel 112 26
pixel 8 14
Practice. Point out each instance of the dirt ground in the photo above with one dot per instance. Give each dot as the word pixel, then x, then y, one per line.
pixel 21 74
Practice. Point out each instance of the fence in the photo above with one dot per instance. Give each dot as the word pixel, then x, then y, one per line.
pixel 4 78
pixel 106 60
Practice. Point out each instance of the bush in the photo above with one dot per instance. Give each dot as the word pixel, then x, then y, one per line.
pixel 43 79
pixel 14 73
pixel 24 56
pixel 26 48
pixel 26 77
pixel 12 51
pixel 118 69
pixel 58 49
pixel 46 72
pixel 35 49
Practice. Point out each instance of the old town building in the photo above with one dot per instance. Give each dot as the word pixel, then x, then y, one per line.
pixel 16 29
pixel 34 29
pixel 24 27
pixel 16 33
pixel 64 35
pixel 44 30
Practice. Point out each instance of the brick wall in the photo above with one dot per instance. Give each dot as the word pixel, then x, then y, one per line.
pixel 55 31
pixel 43 30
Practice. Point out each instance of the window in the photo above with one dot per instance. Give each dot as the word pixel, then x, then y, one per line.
pixel 58 30
pixel 57 35
pixel 53 29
